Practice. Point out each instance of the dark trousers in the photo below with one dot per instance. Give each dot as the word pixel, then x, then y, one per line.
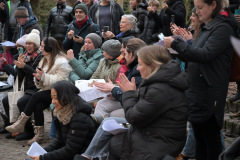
pixel 22 102
pixel 37 103
pixel 208 139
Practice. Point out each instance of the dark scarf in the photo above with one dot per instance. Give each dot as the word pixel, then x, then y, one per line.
pixel 80 24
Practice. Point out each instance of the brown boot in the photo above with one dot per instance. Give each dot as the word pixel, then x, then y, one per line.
pixel 39 135
pixel 19 125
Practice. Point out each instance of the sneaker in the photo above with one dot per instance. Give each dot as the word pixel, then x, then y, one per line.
pixel 235 116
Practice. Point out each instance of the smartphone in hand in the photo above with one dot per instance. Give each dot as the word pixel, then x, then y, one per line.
pixel 161 36
pixel 173 19
pixel 20 50
pixel 76 36
pixel 105 28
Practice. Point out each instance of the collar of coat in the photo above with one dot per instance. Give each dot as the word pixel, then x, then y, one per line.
pixel 65 114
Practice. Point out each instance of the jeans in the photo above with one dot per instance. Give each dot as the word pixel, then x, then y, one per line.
pixel 99 146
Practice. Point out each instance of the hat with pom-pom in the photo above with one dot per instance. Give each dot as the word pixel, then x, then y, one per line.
pixel 34 37
pixel 22 41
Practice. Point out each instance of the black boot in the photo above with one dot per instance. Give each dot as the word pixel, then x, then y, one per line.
pixel 6 123
pixel 28 132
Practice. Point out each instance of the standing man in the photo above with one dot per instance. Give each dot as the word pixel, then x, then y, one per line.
pixel 78 29
pixel 3 16
pixel 11 22
pixel 58 20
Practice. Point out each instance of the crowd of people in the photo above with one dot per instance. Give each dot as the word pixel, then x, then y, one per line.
pixel 156 93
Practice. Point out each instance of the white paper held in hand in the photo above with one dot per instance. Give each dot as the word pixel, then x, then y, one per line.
pixel 36 150
pixel 113 127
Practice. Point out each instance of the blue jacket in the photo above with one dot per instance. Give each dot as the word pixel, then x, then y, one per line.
pixel 82 32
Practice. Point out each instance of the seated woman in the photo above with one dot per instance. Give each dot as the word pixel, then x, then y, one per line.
pixel 111 107
pixel 51 69
pixel 25 67
pixel 88 60
pixel 128 27
pixel 157 111
pixel 73 122
pixel 109 65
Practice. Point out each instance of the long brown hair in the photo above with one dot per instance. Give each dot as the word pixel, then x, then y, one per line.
pixel 56 50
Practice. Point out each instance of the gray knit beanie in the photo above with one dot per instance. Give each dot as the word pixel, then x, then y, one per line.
pixel 83 7
pixel 112 48
pixel 96 39
pixel 21 12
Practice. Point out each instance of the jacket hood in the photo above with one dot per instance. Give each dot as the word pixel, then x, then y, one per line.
pixel 170 74
pixel 219 19
pixel 83 106
pixel 32 20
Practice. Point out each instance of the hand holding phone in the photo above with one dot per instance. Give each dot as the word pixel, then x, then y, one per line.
pixel 237 11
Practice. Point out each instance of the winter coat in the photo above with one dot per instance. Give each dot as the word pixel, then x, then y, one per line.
pixel 132 72
pixel 82 32
pixel 59 71
pixel 23 3
pixel 27 28
pixel 58 21
pixel 157 114
pixel 209 60
pixel 116 15
pixel 176 8
pixel 151 30
pixel 27 73
pixel 107 69
pixel 3 15
pixel 140 13
pixel 86 65
pixel 132 32
pixel 73 137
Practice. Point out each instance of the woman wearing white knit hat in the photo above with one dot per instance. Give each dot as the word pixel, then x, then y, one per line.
pixel 52 68
pixel 25 67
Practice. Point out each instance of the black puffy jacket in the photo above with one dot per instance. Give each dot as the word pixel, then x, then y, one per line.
pixel 140 14
pixel 176 8
pixel 58 20
pixel 74 137
pixel 157 113
pixel 151 30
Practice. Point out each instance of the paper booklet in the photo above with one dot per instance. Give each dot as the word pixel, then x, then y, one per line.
pixel 113 127
pixel 88 91
pixel 236 44
pixel 36 150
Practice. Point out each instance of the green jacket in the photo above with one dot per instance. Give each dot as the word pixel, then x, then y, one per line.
pixel 86 65
pixel 105 69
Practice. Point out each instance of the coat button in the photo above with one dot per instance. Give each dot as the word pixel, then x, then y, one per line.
pixel 200 75
pixel 72 131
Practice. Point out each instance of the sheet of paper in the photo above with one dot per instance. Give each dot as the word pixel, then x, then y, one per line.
pixel 2 84
pixel 8 44
pixel 113 127
pixel 236 44
pixel 35 150
pixel 88 91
